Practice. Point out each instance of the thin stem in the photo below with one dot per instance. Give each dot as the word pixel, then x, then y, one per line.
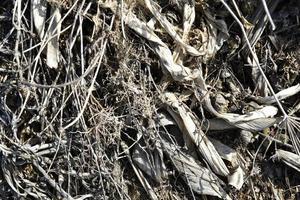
pixel 268 14
pixel 92 83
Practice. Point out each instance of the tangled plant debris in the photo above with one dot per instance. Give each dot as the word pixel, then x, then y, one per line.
pixel 106 99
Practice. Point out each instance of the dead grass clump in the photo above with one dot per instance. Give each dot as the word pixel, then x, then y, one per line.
pixel 149 99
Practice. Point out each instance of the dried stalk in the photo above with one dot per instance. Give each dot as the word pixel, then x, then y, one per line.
pixel 268 14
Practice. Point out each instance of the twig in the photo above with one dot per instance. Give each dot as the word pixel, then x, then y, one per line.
pixel 52 182
pixel 93 81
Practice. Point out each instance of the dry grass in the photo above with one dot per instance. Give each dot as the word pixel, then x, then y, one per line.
pixel 83 113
